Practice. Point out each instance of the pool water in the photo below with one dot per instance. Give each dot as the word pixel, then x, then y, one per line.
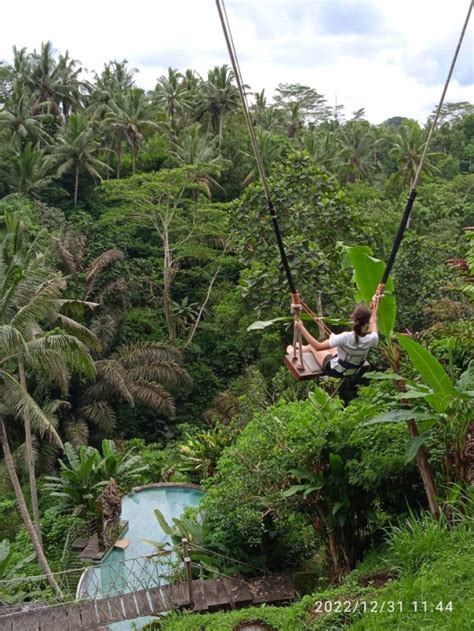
pixel 125 570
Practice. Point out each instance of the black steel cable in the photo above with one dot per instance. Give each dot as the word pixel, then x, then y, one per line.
pixel 412 195
pixel 253 139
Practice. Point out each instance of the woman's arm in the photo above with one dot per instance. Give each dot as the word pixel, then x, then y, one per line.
pixel 373 320
pixel 318 346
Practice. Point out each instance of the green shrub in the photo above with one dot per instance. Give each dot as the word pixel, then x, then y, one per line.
pixel 315 460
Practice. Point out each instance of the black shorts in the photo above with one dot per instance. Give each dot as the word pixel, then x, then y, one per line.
pixel 328 370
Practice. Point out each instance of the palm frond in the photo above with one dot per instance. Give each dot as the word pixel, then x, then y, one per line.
pixel 114 379
pixel 100 414
pixel 103 260
pixel 76 432
pixel 147 352
pixel 61 302
pixel 73 352
pixel 170 373
pixel 154 395
pixel 66 256
pixel 104 327
pixel 41 304
pixel 20 459
pixel 47 458
pixel 79 331
pixel 23 404
pixel 50 364
pixel 11 339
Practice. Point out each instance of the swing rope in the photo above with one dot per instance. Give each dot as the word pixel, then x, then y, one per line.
pixel 412 195
pixel 296 304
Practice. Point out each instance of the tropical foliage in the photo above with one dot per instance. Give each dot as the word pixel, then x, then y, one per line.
pixel 137 254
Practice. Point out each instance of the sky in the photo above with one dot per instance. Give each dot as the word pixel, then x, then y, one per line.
pixel 390 57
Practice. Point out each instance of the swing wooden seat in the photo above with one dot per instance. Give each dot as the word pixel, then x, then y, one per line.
pixel 309 370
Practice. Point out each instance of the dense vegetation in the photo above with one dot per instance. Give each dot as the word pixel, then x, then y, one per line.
pixel 135 253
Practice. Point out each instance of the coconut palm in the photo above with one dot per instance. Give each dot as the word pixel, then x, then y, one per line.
pixel 199 148
pixel 21 124
pixel 38 548
pixel 272 147
pixel 30 298
pixel 71 89
pixel 171 94
pixel 323 147
pixel 407 151
pixel 30 171
pixel 21 68
pixel 357 154
pixel 43 80
pixel 76 149
pixel 130 121
pixel 109 87
pixel 218 97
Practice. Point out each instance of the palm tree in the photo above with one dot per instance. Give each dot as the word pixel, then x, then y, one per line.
pixel 75 149
pixel 71 89
pixel 109 87
pixel 219 97
pixel 272 147
pixel 172 95
pixel 137 373
pixel 294 121
pixel 407 152
pixel 259 107
pixel 20 122
pixel 130 121
pixel 30 171
pixel 358 142
pixel 30 297
pixel 43 80
pixel 21 68
pixel 323 147
pixel 71 251
pixel 38 548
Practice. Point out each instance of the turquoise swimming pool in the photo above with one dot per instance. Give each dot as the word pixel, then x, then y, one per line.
pixel 128 569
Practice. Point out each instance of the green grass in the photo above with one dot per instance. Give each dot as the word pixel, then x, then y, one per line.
pixel 434 564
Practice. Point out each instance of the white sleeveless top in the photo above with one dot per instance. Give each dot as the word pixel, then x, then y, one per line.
pixel 348 350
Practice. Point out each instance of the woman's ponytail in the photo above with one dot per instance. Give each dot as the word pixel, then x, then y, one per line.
pixel 360 318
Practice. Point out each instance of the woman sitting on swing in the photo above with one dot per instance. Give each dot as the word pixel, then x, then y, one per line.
pixel 348 350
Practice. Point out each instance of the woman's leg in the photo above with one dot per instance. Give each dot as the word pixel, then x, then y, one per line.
pixel 320 356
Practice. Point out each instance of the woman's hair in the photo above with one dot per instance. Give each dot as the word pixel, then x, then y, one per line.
pixel 360 318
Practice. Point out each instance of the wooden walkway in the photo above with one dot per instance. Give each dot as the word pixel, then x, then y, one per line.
pixel 208 596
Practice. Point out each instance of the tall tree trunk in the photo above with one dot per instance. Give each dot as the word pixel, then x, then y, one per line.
pixel 24 511
pixel 119 156
pixel 30 456
pixel 76 185
pixel 221 128
pixel 168 273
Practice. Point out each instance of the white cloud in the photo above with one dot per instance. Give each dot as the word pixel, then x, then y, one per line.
pixel 379 65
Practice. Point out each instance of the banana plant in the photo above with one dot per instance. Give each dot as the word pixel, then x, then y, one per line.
pixel 368 271
pixel 85 472
pixel 206 564
pixel 437 402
